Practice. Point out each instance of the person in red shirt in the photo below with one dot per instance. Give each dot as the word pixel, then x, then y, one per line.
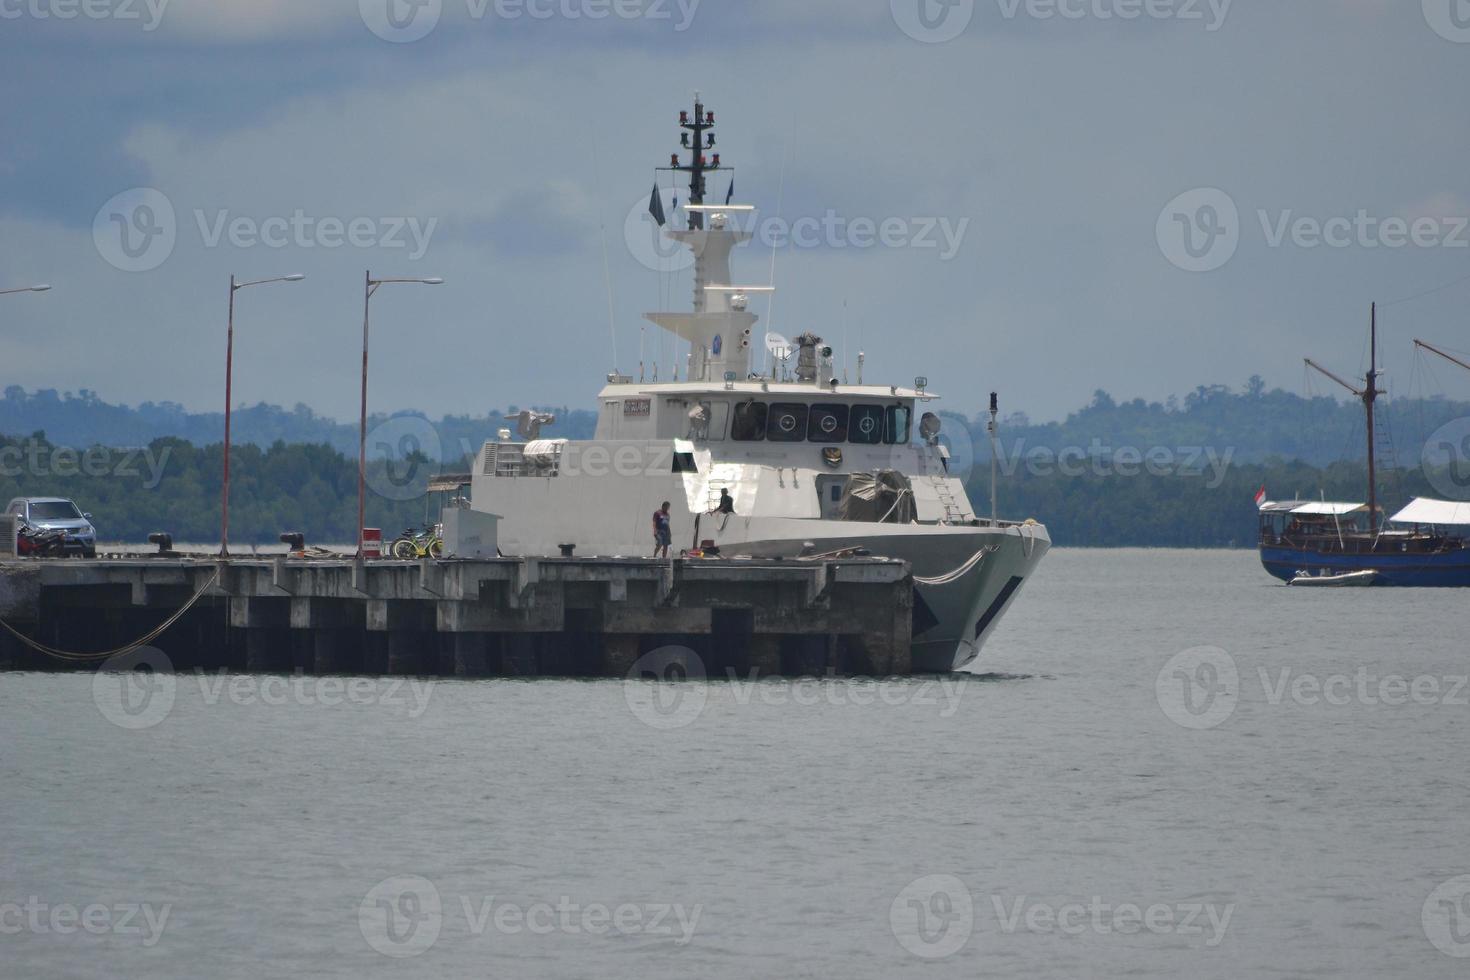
pixel 662 534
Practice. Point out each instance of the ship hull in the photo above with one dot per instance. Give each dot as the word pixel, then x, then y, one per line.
pixel 966 574
pixel 956 608
pixel 1449 569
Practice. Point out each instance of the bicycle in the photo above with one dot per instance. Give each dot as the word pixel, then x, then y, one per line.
pixel 426 542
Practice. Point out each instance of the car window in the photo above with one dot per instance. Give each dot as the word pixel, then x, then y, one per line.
pixel 57 510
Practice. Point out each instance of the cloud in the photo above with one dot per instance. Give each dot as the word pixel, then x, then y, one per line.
pixel 520 141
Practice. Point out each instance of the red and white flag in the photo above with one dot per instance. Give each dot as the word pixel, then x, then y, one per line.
pixel 1260 496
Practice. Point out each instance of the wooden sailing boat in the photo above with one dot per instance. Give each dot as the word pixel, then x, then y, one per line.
pixel 1423 545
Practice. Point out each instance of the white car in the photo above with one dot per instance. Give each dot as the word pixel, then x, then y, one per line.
pixel 58 514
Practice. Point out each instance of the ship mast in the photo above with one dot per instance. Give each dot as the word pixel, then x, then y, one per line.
pixel 1369 395
pixel 720 329
pixel 702 126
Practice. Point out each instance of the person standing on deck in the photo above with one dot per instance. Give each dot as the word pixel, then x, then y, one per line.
pixel 662 535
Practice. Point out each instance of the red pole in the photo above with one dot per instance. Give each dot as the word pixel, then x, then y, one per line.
pixel 224 507
pixel 367 295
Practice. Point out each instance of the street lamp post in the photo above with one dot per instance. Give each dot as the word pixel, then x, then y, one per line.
pixel 369 289
pixel 224 507
pixel 26 289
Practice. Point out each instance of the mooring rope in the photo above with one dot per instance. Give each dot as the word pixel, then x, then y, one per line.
pixel 1028 543
pixel 141 642
pixel 958 573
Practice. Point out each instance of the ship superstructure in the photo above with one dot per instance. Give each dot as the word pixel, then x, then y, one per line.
pixel 811 465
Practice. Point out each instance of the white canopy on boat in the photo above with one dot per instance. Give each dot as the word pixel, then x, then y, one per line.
pixel 1326 509
pixel 1425 510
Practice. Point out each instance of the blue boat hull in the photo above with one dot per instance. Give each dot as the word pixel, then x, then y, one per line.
pixel 1450 569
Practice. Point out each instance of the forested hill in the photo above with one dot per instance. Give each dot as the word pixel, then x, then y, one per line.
pixel 1250 423
pixel 81 420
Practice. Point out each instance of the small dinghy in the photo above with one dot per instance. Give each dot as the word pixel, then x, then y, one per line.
pixel 1344 580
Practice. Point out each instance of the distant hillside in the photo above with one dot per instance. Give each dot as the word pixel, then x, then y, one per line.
pixel 1252 425
pixel 82 420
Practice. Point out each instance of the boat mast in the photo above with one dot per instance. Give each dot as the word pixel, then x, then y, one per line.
pixel 1369 394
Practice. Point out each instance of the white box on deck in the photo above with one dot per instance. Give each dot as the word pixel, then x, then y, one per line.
pixel 470 533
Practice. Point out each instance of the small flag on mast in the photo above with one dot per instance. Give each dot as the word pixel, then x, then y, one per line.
pixel 730 194
pixel 656 207
pixel 1261 496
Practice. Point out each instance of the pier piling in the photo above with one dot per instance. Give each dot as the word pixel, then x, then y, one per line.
pixel 576 617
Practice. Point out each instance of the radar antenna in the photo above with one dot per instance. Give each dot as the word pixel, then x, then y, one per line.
pixel 701 125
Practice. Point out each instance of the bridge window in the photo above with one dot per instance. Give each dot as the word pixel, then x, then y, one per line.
pixel 719 418
pixel 867 425
pixel 749 422
pixel 788 422
pixel 900 423
pixel 828 423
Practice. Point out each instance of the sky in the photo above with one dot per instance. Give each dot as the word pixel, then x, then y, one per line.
pixel 1036 197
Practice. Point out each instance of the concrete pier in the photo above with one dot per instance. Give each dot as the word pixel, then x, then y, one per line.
pixel 578 617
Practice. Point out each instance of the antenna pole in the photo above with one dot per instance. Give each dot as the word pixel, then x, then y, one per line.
pixel 703 139
pixel 994 460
